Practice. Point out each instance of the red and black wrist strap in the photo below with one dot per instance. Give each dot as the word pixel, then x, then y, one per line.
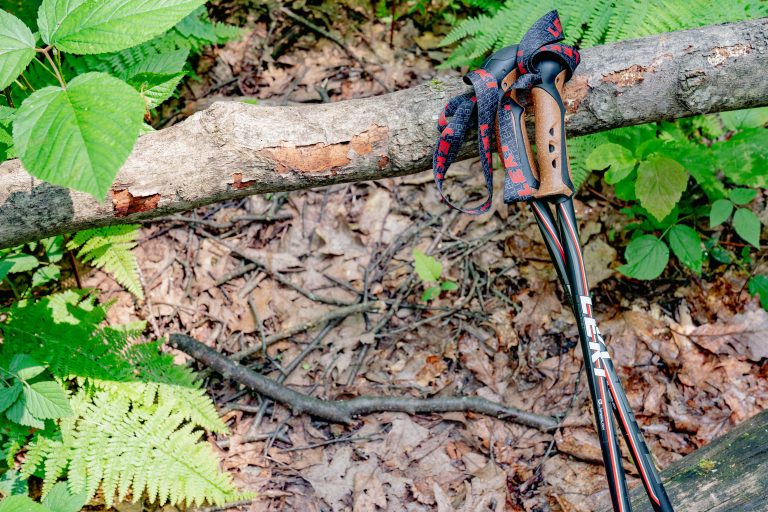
pixel 490 102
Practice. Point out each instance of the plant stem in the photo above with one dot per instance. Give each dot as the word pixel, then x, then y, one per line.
pixel 45 52
pixel 13 288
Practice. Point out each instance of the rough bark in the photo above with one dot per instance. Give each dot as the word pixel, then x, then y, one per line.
pixel 234 149
pixel 728 475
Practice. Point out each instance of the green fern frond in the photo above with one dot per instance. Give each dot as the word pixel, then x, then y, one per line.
pixel 111 249
pixel 590 22
pixel 117 446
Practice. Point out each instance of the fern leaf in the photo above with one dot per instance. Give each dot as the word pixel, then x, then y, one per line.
pixel 110 249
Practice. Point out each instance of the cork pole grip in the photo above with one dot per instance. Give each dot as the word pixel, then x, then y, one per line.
pixel 554 167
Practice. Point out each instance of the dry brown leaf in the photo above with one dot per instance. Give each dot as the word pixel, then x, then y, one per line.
pixel 744 335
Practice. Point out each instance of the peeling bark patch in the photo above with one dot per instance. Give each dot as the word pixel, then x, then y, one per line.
pixel 575 91
pixel 316 158
pixel 721 54
pixel 239 184
pixel 383 161
pixel 626 77
pixel 126 203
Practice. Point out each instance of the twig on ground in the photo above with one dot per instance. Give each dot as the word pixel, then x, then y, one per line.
pixel 338 313
pixel 344 411
pixel 277 276
pixel 336 39
pixel 244 269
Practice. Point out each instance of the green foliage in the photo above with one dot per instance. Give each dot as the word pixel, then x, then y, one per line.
pixel 429 271
pixel 651 167
pixel 111 249
pixel 646 258
pixel 758 285
pixel 79 130
pixel 588 23
pixel 83 96
pixel 130 420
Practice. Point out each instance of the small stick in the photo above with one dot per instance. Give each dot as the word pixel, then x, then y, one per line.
pixel 344 411
pixel 295 329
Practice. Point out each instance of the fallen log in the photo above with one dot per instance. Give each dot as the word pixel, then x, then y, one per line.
pixel 728 475
pixel 235 149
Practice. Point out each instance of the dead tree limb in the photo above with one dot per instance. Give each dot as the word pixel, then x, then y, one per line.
pixel 728 475
pixel 234 149
pixel 344 411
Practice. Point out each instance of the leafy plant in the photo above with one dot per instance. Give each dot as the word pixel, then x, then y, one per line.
pixel 587 23
pixel 124 401
pixel 758 285
pixel 430 270
pixel 83 95
pixel 651 167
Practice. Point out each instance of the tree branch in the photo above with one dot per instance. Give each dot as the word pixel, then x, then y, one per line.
pixel 343 411
pixel 235 149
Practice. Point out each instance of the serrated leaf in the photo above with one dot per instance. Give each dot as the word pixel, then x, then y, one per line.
pixel 25 367
pixel 18 413
pixel 47 400
pixel 79 137
pixel 619 160
pixel 660 183
pixel 101 26
pixel 20 503
pixel 758 285
pixel 747 226
pixel 743 196
pixel 721 210
pixel 742 157
pixel 646 256
pixel 45 275
pixel 427 267
pixel 54 248
pixel 12 483
pixel 155 87
pixel 59 499
pixel 686 244
pixel 9 395
pixel 21 262
pixel 17 48
pixel 166 63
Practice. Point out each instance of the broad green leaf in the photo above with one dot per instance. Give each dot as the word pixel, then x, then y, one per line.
pixel 47 400
pixel 21 262
pixel 660 183
pixel 20 503
pixel 166 63
pixel 5 268
pixel 721 210
pixel 53 247
pixel 17 48
pixel 79 137
pixel 427 267
pixel 18 413
pixel 699 161
pixel 45 274
pixel 449 286
pixel 59 499
pixel 430 293
pixel 9 395
pixel 747 226
pixel 155 87
pixel 619 160
pixel 25 367
pixel 748 118
pixel 758 285
pixel 722 255
pixel 742 196
pixel 646 256
pixel 686 244
pixel 101 26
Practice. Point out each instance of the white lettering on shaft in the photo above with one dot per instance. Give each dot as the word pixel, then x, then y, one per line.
pixel 597 344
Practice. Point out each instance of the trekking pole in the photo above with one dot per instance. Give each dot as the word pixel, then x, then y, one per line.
pixel 556 185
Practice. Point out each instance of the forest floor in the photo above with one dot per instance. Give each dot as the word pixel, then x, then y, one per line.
pixel 687 348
